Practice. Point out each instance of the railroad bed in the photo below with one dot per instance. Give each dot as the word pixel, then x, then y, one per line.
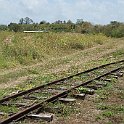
pixel 30 103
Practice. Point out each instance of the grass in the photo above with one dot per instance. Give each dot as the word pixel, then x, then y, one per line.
pixel 63 110
pixel 28 84
pixel 45 78
pixel 12 76
pixel 65 56
pixel 54 50
pixel 23 49
pixel 7 109
pixel 111 109
pixel 118 53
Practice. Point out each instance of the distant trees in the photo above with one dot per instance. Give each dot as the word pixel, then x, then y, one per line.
pixel 14 27
pixel 3 27
pixel 80 21
pixel 58 22
pixel 114 29
pixel 69 22
pixel 21 21
pixel 26 20
pixel 87 27
pixel 43 22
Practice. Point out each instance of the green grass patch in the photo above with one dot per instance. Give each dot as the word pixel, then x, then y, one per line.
pixel 7 109
pixel 118 53
pixel 106 103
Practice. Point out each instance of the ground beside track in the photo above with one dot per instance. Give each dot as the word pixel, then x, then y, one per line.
pixel 95 112
pixel 105 107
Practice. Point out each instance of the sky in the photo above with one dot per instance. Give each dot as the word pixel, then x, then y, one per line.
pixel 95 11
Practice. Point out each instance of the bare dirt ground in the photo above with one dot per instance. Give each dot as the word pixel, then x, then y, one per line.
pixel 75 59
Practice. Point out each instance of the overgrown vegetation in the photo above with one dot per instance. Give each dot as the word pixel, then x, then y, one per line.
pixel 20 48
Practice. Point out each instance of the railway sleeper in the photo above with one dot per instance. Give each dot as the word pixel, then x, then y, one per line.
pixel 104 84
pixel 44 116
pixel 58 96
pixel 67 100
pixel 55 109
pixel 63 88
pixel 90 91
pixel 106 79
pixel 86 90
pixel 119 74
pixel 80 96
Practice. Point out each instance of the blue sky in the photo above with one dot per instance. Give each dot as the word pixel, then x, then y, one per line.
pixel 95 11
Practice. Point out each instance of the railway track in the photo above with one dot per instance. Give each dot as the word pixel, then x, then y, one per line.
pixel 32 100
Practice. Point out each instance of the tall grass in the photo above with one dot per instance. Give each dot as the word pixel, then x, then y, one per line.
pixel 20 48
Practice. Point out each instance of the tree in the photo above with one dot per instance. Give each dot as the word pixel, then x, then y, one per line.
pixel 58 22
pixel 3 27
pixel 26 20
pixel 14 27
pixel 21 21
pixel 80 21
pixel 64 22
pixel 87 27
pixel 43 22
pixel 69 22
pixel 114 23
pixel 98 29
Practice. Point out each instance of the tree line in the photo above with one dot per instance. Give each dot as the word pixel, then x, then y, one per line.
pixel 113 29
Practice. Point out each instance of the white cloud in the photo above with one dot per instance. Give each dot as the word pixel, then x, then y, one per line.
pixel 96 11
pixel 33 4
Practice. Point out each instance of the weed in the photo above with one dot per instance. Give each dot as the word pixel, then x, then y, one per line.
pixel 33 71
pixel 118 53
pixel 107 114
pixel 98 117
pixel 102 107
pixel 62 109
pixel 7 109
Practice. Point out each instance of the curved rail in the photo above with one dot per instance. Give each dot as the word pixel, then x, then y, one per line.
pixel 55 82
pixel 23 113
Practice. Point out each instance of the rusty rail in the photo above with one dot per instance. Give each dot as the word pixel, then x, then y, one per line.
pixel 55 82
pixel 23 113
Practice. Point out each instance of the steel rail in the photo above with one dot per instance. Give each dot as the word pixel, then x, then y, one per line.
pixel 55 82
pixel 23 113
